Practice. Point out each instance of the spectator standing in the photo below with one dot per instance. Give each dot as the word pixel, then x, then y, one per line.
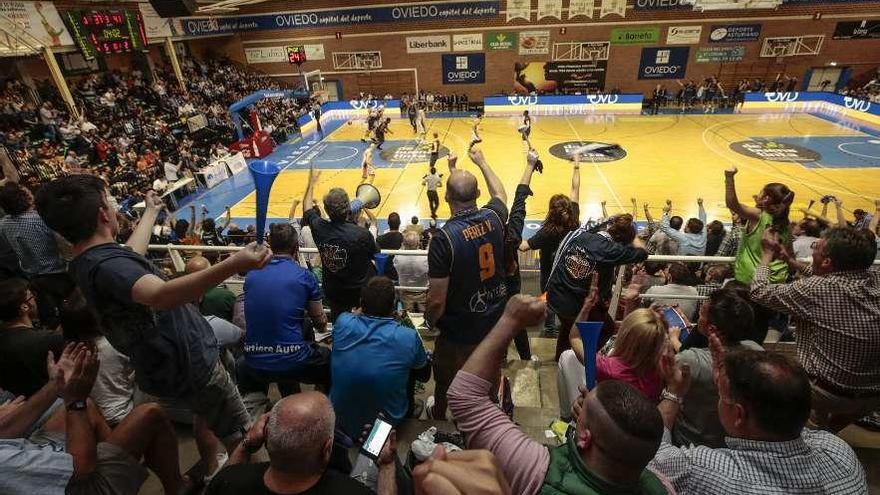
pixel 466 268
pixel 691 242
pixel 412 271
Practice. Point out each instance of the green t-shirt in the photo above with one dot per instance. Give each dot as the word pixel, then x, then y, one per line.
pixel 219 302
pixel 748 256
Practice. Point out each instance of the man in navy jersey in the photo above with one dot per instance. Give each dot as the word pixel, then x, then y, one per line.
pixel 466 293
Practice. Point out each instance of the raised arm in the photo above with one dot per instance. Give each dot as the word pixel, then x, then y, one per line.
pixel 648 216
pixel 841 218
pixel 192 220
pixel 876 218
pixel 574 338
pixel 635 211
pixel 748 214
pixel 310 187
pixel 701 213
pixel 575 193
pixel 140 238
pixel 227 220
pixel 496 188
pixel 604 210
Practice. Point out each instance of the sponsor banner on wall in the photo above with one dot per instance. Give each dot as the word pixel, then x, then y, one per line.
pixel 315 52
pixel 660 5
pixel 39 20
pixel 155 26
pixel 428 44
pixel 719 54
pixel 580 7
pixel 547 77
pixel 464 69
pixel 519 9
pixel 501 41
pixel 858 30
pixel 467 42
pixel 549 8
pixel 635 36
pixel 735 33
pixel 276 54
pixel 683 35
pixel 663 63
pixel 534 43
pixel 342 17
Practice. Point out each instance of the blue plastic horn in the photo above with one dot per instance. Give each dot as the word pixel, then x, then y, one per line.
pixel 381 261
pixel 590 331
pixel 264 174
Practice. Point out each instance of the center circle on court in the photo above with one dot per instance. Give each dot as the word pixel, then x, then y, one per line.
pixel 337 153
pixel 410 153
pixel 565 150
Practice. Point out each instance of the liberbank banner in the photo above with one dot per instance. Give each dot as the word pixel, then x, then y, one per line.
pixel 341 17
pixel 831 104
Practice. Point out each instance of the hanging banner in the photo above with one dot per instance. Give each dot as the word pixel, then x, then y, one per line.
pixel 663 63
pixel 315 52
pixel 467 42
pixel 609 7
pixel 519 9
pixel 156 27
pixel 564 76
pixel 735 33
pixel 464 69
pixel 635 36
pixel 342 17
pixel 428 44
pixel 660 5
pixel 580 8
pixel 39 20
pixel 534 42
pixel 265 54
pixel 683 35
pixel 720 54
pixel 549 8
pixel 501 41
pixel 858 30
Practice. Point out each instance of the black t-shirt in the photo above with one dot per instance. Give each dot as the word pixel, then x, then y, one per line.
pixel 23 358
pixel 213 237
pixel 547 243
pixel 583 255
pixel 173 352
pixel 240 479
pixel 346 253
pixel 477 289
pixel 390 240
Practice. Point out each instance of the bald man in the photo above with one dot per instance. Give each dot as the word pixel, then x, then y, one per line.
pixel 298 436
pixel 218 301
pixel 617 433
pixel 466 291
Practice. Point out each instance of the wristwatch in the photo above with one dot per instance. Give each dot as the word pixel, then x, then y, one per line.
pixel 666 394
pixel 76 405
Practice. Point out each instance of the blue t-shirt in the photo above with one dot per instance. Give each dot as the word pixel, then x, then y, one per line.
pixel 275 303
pixel 370 365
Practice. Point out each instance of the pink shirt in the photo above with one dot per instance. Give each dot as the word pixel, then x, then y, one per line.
pixel 614 368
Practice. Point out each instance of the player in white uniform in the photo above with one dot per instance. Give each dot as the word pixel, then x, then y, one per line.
pixel 525 129
pixel 475 131
pixel 367 168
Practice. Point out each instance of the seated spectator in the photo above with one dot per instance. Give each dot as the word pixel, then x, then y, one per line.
pixel 298 436
pixel 373 359
pixel 412 271
pixel 836 312
pixel 278 348
pixel 614 414
pixel 414 226
pixel 47 448
pixel 691 242
pixel 764 403
pixel 218 301
pixel 23 348
pixel 805 234
pixel 730 318
pixel 680 281
pixel 650 273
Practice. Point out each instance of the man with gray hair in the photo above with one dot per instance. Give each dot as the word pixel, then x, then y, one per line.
pixel 346 249
pixel 298 436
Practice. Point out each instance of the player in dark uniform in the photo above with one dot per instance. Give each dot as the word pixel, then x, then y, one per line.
pixel 435 150
pixel 525 129
pixel 467 290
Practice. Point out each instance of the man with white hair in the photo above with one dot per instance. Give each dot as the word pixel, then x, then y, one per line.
pixel 298 436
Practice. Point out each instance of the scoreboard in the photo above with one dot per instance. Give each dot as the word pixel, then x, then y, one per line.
pixel 296 54
pixel 106 31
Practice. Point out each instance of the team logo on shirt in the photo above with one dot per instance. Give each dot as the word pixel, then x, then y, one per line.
pixel 333 257
pixel 578 264
pixel 410 152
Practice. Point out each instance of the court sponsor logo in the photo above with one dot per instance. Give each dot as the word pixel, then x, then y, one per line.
pixel 410 153
pixel 523 101
pixel 602 99
pixel 786 97
pixel 856 104
pixel 565 150
pixel 775 151
pixel 363 104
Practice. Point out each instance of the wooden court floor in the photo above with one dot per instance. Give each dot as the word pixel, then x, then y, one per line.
pixel 677 157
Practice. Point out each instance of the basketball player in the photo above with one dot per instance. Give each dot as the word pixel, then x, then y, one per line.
pixel 367 168
pixel 372 117
pixel 467 292
pixel 421 121
pixel 526 128
pixel 475 131
pixel 435 150
pixel 381 130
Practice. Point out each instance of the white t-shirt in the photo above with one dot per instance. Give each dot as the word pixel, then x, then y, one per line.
pixel 688 307
pixel 113 392
pixel 803 246
pixel 412 271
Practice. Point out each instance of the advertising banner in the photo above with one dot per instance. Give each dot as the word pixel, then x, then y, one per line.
pixel 501 41
pixel 720 54
pixel 635 36
pixel 155 26
pixel 315 52
pixel 660 5
pixel 564 76
pixel 464 69
pixel 858 30
pixel 683 35
pixel 519 9
pixel 467 42
pixel 342 17
pixel 735 33
pixel 580 7
pixel 534 43
pixel 663 63
pixel 265 54
pixel 38 19
pixel 428 44
pixel 549 8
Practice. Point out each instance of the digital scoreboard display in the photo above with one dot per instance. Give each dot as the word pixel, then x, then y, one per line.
pixel 296 54
pixel 106 31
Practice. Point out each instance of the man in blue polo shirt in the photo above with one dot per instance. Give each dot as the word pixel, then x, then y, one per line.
pixel 277 298
pixel 375 360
